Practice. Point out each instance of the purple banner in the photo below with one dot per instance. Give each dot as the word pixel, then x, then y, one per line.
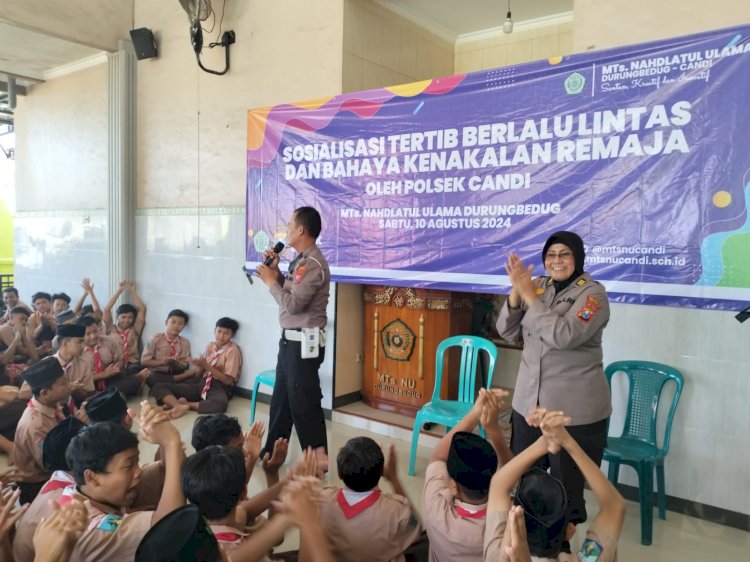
pixel 642 150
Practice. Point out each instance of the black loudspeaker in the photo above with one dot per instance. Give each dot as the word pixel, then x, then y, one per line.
pixel 143 42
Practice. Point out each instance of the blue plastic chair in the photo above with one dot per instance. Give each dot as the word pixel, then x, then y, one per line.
pixel 264 377
pixel 450 412
pixel 637 446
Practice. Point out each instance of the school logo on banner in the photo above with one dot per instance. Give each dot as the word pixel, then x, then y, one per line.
pixel 574 83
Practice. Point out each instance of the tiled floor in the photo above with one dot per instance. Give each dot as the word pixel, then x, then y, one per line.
pixel 679 538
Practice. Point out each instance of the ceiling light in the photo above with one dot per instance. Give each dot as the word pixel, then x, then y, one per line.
pixel 508 23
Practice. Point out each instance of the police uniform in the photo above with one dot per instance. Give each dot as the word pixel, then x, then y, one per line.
pixel 378 528
pixel 561 369
pixel 455 528
pixel 211 394
pixel 160 347
pixel 296 397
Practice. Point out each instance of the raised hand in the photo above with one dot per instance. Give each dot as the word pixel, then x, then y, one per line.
pixel 254 440
pixel 273 462
pixel 515 544
pixel 8 514
pixel 307 465
pixel 155 425
pixel 86 285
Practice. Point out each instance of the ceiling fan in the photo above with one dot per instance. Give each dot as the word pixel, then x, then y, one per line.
pixel 199 11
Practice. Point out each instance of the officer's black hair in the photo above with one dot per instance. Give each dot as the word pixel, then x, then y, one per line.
pixel 229 323
pixel 126 309
pixel 309 219
pixel 181 313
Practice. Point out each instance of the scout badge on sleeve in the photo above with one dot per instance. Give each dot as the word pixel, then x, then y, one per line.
pixel 589 309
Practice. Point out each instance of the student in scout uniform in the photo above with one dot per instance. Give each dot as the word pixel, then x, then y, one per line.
pixel 103 459
pixel 181 535
pixel 70 356
pixel 53 458
pixel 11 301
pixel 363 523
pixel 168 353
pixel 457 481
pixel 207 390
pixel 49 387
pixel 43 317
pixel 103 358
pixel 128 325
pixel 303 298
pixel 542 524
pixel 60 303
pixel 561 318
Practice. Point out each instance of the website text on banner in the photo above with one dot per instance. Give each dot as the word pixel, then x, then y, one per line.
pixel 641 150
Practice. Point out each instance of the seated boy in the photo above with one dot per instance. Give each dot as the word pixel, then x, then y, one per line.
pixel 49 387
pixel 457 481
pixel 363 523
pixel 220 367
pixel 53 458
pixel 70 356
pixel 103 459
pixel 11 301
pixel 104 360
pixel 60 303
pixel 544 502
pixel 167 353
pixel 128 327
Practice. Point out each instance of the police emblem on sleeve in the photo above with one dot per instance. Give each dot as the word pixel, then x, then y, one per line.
pixel 397 340
pixel 589 309
pixel 299 272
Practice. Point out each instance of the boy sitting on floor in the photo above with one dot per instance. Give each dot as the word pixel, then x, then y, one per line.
pixel 457 482
pixel 49 386
pixel 168 353
pixel 537 529
pixel 128 326
pixel 220 367
pixel 104 360
pixel 363 523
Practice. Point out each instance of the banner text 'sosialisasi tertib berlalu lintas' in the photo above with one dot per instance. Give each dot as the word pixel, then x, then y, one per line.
pixel 642 150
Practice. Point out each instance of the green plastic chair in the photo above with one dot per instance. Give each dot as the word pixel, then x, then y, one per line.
pixel 264 377
pixel 450 412
pixel 637 446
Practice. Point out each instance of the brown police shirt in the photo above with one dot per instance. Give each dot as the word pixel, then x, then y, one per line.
pixel 561 365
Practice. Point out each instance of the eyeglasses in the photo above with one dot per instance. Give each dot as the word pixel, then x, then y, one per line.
pixel 564 255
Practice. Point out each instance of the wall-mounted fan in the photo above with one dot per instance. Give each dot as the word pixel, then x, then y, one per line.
pixel 199 11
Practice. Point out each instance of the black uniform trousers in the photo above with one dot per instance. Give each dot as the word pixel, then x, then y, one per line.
pixel 591 437
pixel 296 398
pixel 10 415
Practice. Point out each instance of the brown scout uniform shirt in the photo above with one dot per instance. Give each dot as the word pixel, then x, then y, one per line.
pixel 148 493
pixel 598 546
pixel 379 532
pixel 128 344
pixel 109 352
pixel 561 365
pixel 229 360
pixel 35 423
pixel 158 348
pixel 455 528
pixel 304 297
pixel 5 318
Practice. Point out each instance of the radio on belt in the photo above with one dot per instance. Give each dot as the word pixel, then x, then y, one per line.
pixel 310 343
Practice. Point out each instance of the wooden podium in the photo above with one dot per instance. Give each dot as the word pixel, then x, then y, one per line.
pixel 402 330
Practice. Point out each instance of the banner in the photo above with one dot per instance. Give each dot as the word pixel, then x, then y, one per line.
pixel 644 151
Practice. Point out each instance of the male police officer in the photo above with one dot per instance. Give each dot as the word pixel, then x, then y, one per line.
pixel 303 297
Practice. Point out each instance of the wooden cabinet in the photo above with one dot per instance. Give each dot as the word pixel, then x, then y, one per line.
pixel 402 329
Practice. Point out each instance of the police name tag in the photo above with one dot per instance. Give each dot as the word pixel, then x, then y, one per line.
pixel 310 343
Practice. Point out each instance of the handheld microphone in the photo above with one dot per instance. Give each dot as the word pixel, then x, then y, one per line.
pixel 276 250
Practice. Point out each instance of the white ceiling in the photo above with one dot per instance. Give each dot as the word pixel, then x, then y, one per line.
pixel 459 17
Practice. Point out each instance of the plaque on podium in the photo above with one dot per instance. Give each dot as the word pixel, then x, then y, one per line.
pixel 402 330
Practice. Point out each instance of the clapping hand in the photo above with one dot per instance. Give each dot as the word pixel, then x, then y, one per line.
pixel 515 546
pixel 254 441
pixel 272 462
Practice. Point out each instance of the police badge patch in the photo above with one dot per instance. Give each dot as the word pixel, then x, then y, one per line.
pixel 588 310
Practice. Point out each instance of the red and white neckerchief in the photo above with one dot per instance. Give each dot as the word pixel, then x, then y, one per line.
pixel 98 366
pixel 209 377
pixel 172 346
pixel 226 534
pixel 59 480
pixel 467 514
pixel 354 510
pixel 124 337
pixel 59 415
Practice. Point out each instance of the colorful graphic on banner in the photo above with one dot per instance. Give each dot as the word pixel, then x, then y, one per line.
pixel 642 150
